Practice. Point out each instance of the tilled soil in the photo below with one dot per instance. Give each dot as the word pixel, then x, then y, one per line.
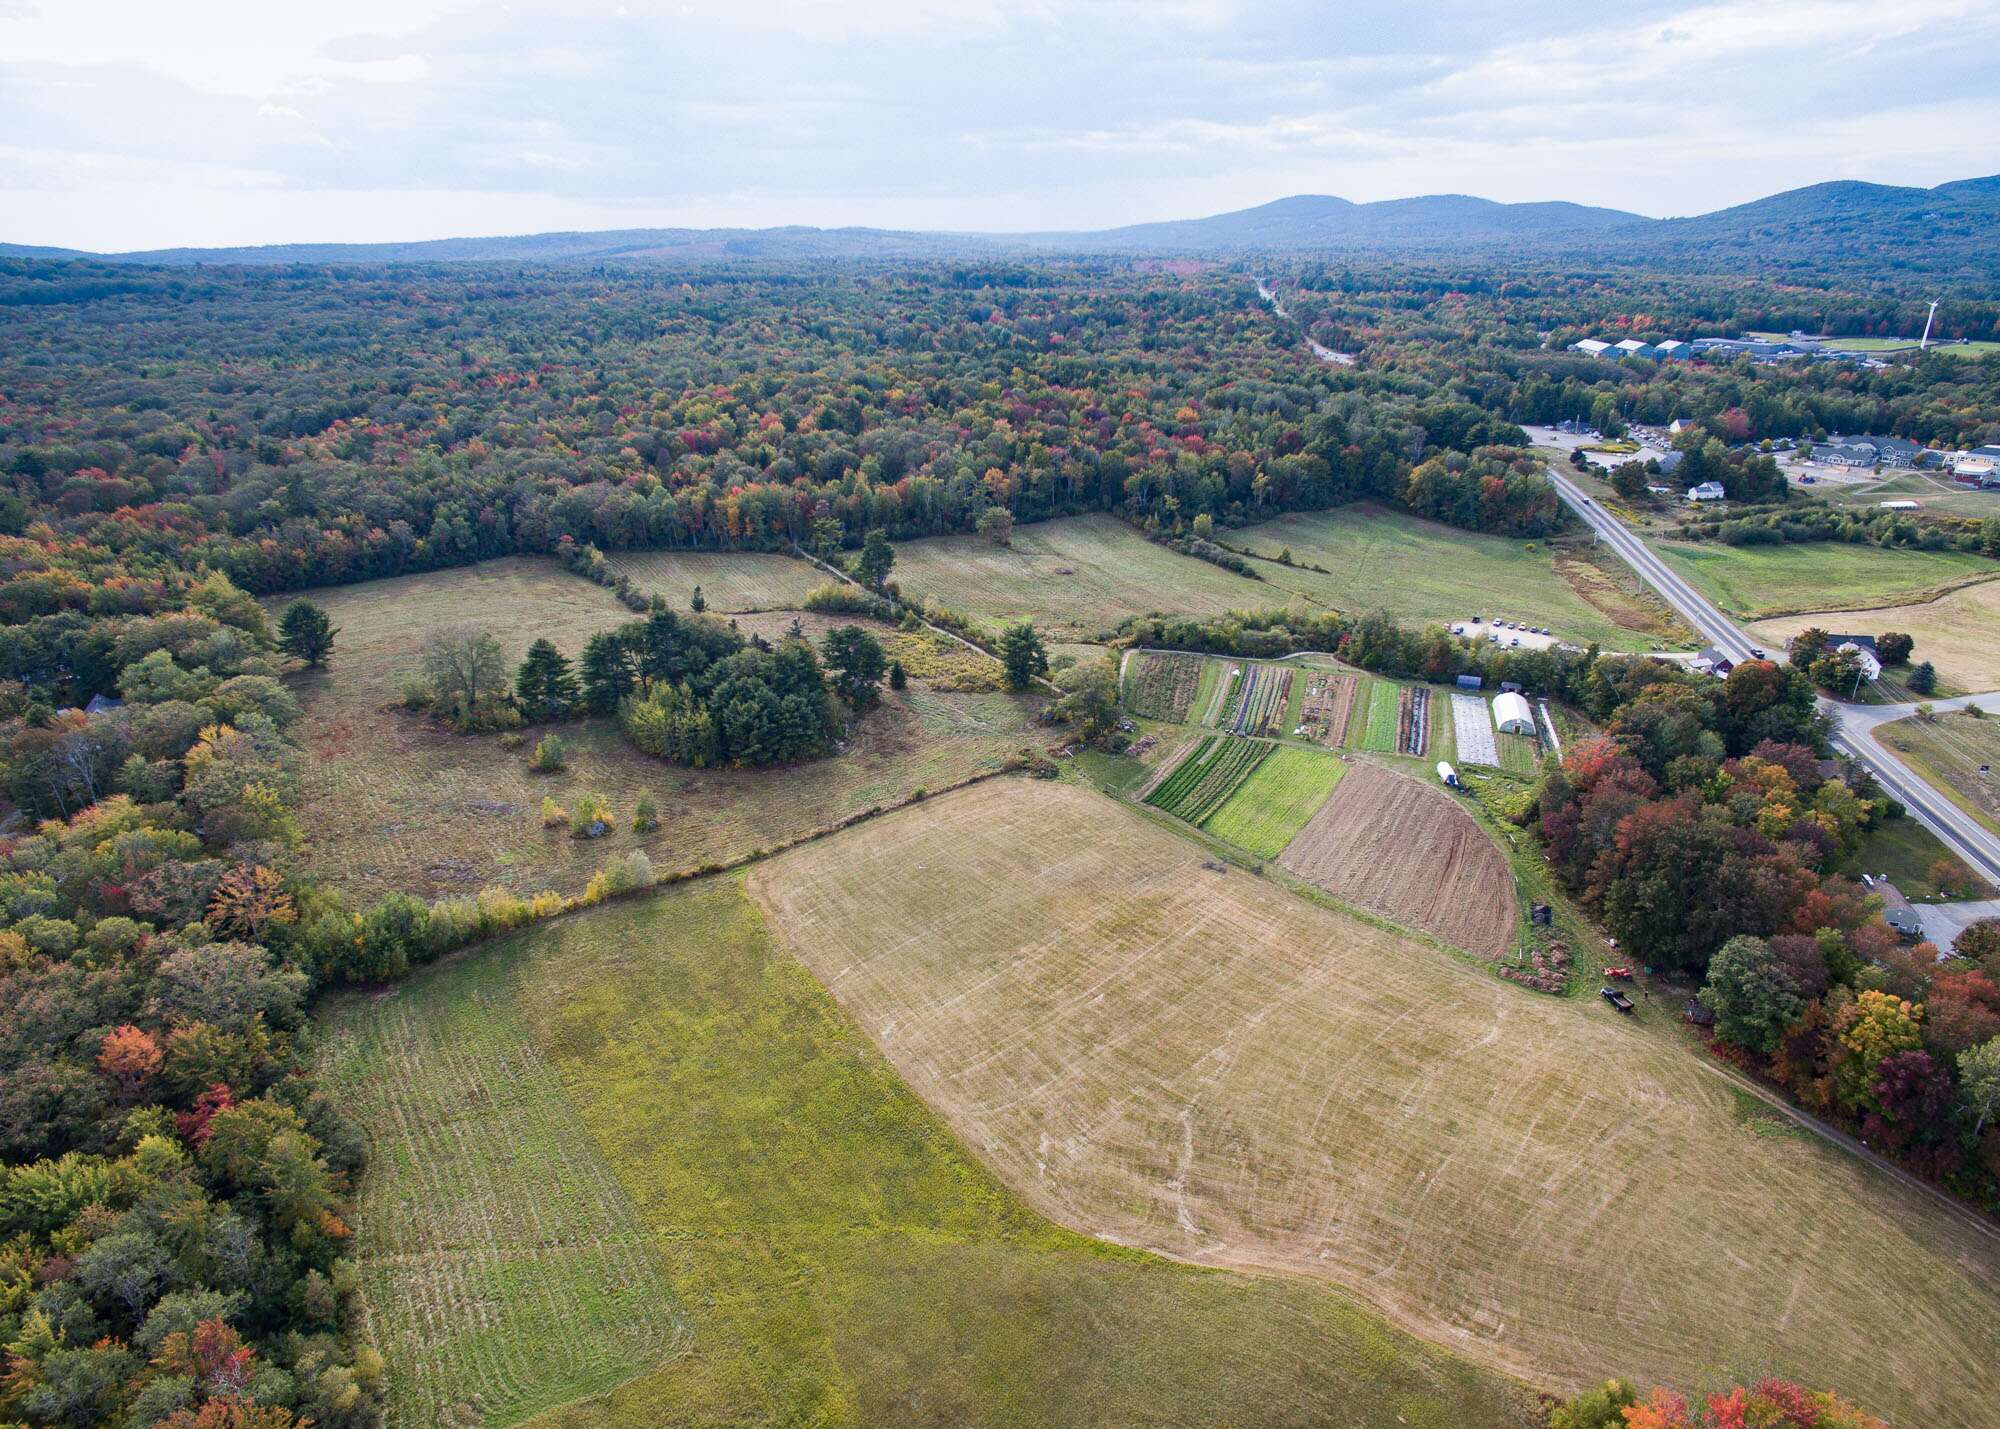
pixel 1408 852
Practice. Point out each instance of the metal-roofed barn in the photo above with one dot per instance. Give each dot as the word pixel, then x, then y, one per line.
pixel 1511 713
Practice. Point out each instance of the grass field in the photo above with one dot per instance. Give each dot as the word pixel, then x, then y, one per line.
pixel 1421 571
pixel 729 581
pixel 1264 811
pixel 1076 578
pixel 1907 852
pixel 1948 751
pixel 394 802
pixel 1518 753
pixel 1764 581
pixel 1188 1060
pixel 1958 632
pixel 1909 344
pixel 645 1142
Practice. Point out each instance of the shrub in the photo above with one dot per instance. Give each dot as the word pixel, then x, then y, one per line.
pixel 589 817
pixel 628 873
pixel 550 755
pixel 645 815
pixel 553 814
pixel 418 693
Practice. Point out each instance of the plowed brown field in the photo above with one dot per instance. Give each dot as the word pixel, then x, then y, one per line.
pixel 1407 851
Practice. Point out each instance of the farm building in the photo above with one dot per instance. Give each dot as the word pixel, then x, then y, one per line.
pixel 1633 347
pixel 1977 468
pixel 1672 350
pixel 1470 682
pixel 1512 715
pixel 1707 491
pixel 1899 505
pixel 1714 662
pixel 1590 347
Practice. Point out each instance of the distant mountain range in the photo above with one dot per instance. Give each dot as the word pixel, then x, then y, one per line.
pixel 1953 228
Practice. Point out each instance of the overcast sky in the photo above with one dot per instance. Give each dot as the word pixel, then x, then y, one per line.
pixel 147 123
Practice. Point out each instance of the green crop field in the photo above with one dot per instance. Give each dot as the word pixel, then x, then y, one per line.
pixel 1518 753
pixel 1076 578
pixel 1264 811
pixel 729 581
pixel 641 1155
pixel 1909 344
pixel 1764 581
pixel 1207 776
pixel 394 802
pixel 1381 730
pixel 1198 1062
pixel 1422 571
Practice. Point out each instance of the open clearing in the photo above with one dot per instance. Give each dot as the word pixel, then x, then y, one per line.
pixel 1948 751
pixel 1958 632
pixel 1419 570
pixel 740 580
pixel 1755 582
pixel 1404 849
pixel 393 801
pixel 1195 1062
pixel 1076 578
pixel 1264 811
pixel 646 1142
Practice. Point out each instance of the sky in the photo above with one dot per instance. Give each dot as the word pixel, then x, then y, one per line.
pixel 130 124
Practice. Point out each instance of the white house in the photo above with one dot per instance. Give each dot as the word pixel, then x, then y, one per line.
pixel 1707 491
pixel 1676 427
pixel 1870 666
pixel 1511 713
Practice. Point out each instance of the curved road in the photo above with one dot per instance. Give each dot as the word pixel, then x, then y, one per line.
pixel 1853 725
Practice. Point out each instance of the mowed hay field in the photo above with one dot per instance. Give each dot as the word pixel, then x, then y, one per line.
pixel 1768 581
pixel 1075 578
pixel 1958 632
pixel 1422 571
pixel 641 1155
pixel 1401 848
pixel 394 802
pixel 746 580
pixel 1192 1061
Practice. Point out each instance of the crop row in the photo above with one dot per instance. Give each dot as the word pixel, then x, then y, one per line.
pixel 1384 698
pixel 1207 779
pixel 1165 686
pixel 1267 692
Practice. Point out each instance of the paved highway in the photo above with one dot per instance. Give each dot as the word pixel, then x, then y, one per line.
pixel 1853 725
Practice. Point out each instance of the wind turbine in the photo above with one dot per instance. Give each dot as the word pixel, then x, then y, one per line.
pixel 1925 341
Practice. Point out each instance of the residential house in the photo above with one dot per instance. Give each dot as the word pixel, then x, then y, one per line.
pixel 1707 491
pixel 1711 661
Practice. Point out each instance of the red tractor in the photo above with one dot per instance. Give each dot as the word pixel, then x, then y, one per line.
pixel 1622 974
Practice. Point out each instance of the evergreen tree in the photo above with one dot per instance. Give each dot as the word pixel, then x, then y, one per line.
pixel 306 632
pixel 697 602
pixel 1923 679
pixel 878 558
pixel 857 661
pixel 1025 656
pixel 607 672
pixel 545 687
pixel 898 679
